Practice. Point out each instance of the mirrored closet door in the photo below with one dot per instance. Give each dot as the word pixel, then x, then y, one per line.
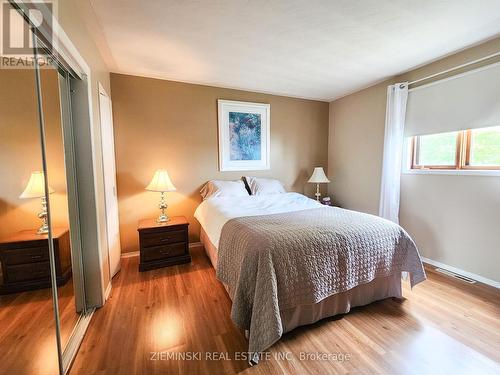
pixel 42 295
pixel 27 324
pixel 56 116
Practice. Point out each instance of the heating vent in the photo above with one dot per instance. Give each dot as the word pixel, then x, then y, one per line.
pixel 456 275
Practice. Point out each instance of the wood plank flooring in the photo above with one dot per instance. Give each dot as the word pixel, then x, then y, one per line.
pixel 442 326
pixel 28 333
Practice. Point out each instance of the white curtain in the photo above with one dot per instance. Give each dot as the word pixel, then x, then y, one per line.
pixel 397 96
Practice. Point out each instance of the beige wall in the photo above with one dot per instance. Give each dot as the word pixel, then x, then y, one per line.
pixel 165 124
pixel 453 219
pixel 20 149
pixel 356 141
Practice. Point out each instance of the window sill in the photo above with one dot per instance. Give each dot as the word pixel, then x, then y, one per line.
pixel 454 172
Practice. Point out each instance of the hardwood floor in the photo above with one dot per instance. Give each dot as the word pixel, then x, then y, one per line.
pixel 443 326
pixel 27 330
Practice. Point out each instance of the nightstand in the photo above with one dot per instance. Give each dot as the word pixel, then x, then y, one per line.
pixel 164 244
pixel 332 203
pixel 25 260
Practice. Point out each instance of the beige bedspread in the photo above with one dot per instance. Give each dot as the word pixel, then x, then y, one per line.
pixel 280 261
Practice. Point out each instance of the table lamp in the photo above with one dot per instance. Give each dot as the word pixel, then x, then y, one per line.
pixel 161 183
pixel 36 189
pixel 318 177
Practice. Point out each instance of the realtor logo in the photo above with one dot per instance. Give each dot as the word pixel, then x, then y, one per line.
pixel 17 38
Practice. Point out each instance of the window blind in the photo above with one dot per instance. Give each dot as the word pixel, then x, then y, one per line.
pixel 466 101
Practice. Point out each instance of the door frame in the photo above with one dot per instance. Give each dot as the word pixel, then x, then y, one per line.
pixel 86 182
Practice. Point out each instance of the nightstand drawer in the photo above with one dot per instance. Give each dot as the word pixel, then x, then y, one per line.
pixel 163 244
pixel 24 258
pixel 163 252
pixel 26 255
pixel 162 238
pixel 25 272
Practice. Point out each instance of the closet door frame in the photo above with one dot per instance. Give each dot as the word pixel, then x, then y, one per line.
pixel 83 180
pixel 53 276
pixel 67 353
pixel 71 182
pixel 86 145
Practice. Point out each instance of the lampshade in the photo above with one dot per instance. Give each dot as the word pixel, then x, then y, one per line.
pixel 161 182
pixel 35 187
pixel 319 176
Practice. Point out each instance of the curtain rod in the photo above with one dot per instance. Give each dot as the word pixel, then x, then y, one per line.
pixel 455 68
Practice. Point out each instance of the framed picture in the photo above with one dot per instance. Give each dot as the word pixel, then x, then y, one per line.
pixel 244 135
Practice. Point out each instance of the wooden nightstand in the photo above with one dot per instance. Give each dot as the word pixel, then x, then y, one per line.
pixel 163 244
pixel 25 260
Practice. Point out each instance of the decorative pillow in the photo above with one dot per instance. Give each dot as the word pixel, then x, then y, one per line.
pixel 264 186
pixel 219 188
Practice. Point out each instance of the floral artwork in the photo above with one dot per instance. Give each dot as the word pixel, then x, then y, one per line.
pixel 244 136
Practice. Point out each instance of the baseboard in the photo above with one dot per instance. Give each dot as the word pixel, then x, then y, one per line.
pixel 435 263
pixel 76 339
pixel 470 275
pixel 131 254
pixel 108 292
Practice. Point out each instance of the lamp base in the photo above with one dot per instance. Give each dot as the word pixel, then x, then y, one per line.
pixel 44 229
pixel 162 219
pixel 318 194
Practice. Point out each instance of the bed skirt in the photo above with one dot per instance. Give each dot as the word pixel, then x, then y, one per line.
pixel 340 303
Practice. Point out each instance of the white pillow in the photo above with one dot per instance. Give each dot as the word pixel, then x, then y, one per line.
pixel 219 188
pixel 264 186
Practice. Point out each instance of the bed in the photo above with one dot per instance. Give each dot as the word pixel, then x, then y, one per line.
pixel 287 261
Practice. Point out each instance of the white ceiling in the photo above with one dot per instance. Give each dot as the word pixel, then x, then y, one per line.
pixel 310 49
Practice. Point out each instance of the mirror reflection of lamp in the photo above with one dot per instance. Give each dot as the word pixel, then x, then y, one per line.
pixel 36 189
pixel 161 183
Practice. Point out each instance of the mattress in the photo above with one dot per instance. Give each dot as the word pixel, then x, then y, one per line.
pixel 213 213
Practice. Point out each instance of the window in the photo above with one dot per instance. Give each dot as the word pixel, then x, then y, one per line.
pixel 484 147
pixel 466 149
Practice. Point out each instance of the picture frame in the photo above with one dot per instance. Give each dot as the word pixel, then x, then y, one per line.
pixel 244 135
